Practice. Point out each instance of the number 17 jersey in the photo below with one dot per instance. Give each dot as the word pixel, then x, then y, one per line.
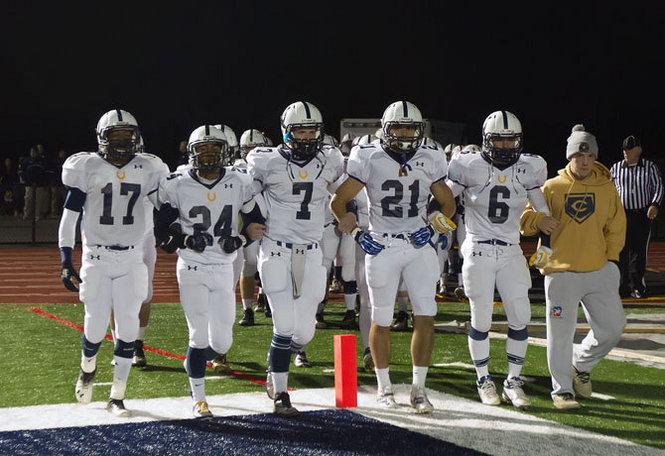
pixel 494 198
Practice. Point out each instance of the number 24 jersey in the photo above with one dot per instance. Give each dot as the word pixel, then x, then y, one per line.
pixel 494 199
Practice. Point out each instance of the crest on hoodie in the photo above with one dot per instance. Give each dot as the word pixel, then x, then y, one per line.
pixel 580 206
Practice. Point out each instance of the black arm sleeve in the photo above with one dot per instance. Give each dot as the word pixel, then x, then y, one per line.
pixel 75 199
pixel 165 217
pixel 254 216
pixel 433 206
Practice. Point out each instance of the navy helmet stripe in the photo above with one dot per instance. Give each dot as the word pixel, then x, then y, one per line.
pixel 405 108
pixel 307 112
pixel 505 120
pixel 207 130
pixel 251 135
pixel 119 113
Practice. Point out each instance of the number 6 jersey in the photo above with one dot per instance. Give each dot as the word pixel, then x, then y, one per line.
pixel 397 194
pixel 494 198
pixel 114 209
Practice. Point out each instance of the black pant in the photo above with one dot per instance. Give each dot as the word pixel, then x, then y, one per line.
pixel 633 258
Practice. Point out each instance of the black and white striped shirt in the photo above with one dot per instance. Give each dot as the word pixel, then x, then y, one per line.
pixel 639 186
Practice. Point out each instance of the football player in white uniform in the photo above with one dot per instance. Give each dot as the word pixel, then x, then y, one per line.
pixel 109 187
pixel 250 139
pixel 496 185
pixel 398 175
pixel 232 141
pixel 199 217
pixel 294 178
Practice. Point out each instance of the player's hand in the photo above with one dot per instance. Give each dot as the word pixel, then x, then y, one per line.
pixel 232 243
pixel 348 223
pixel 175 239
pixel 541 257
pixel 652 212
pixel 548 224
pixel 421 237
pixel 441 223
pixel 69 276
pixel 367 243
pixel 197 242
pixel 255 231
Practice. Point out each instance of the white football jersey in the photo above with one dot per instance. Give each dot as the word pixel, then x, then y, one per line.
pixel 207 208
pixel 241 165
pixel 494 199
pixel 397 204
pixel 115 207
pixel 296 195
pixel 149 215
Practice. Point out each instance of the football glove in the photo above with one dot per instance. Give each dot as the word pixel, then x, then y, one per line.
pixel 197 241
pixel 230 244
pixel 174 240
pixel 421 237
pixel 69 276
pixel 541 257
pixel 441 223
pixel 366 242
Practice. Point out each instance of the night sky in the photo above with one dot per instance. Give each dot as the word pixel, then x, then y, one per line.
pixel 242 63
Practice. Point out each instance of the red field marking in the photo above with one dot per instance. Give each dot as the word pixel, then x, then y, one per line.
pixel 158 351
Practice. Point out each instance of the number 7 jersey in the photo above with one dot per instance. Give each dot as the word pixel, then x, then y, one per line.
pixel 114 209
pixel 494 198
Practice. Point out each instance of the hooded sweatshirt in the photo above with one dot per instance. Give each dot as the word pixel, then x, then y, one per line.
pixel 592 226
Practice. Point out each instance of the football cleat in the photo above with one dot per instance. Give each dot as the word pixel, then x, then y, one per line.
pixel 139 355
pixel 301 359
pixel 117 407
pixel 335 286
pixel 282 405
pixel 386 398
pixel 514 394
pixel 487 391
pixel 220 364
pixel 368 361
pixel 247 318
pixel 83 389
pixel 460 294
pixel 349 320
pixel 201 410
pixel 270 386
pixel 419 400
pixel 401 321
pixel 582 383
pixel 320 322
pixel 565 401
pixel 268 310
pixel 260 303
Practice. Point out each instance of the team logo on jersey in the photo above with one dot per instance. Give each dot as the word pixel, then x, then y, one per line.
pixel 212 196
pixel 580 206
pixel 556 311
pixel 121 174
pixel 303 174
pixel 501 179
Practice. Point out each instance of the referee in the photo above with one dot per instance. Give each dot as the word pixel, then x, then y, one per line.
pixel 640 188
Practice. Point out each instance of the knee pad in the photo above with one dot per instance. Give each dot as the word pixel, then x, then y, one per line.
pixel 477 335
pixel 124 349
pixel 274 276
pixel 425 307
pixel 350 287
pixel 221 343
pixel 304 333
pixel 382 316
pixel 90 349
pixel 518 334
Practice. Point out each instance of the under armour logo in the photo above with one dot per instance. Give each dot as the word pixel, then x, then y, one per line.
pixel 477 253
pixel 93 257
pixel 420 163
pixel 138 166
pixel 279 254
pixel 192 268
pixel 521 170
pixel 299 251
pixel 228 185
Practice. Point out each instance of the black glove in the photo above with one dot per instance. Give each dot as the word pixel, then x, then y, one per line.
pixel 174 239
pixel 197 241
pixel 232 243
pixel 67 274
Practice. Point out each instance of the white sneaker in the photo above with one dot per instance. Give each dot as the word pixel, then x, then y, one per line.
pixel 582 384
pixel 270 386
pixel 386 398
pixel 487 391
pixel 83 389
pixel 117 407
pixel 565 401
pixel 201 410
pixel 514 394
pixel 419 400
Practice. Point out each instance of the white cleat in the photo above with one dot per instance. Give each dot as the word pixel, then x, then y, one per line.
pixel 83 389
pixel 270 386
pixel 419 400
pixel 487 391
pixel 117 407
pixel 514 394
pixel 386 398
pixel 201 410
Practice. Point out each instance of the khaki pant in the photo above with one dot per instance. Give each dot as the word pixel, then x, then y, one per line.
pixel 40 196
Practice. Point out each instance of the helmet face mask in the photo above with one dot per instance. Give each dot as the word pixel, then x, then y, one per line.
pixel 251 139
pixel 502 138
pixel 207 149
pixel 302 130
pixel 118 137
pixel 402 127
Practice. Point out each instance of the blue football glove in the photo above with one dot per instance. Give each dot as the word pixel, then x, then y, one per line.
pixel 421 237
pixel 68 275
pixel 367 243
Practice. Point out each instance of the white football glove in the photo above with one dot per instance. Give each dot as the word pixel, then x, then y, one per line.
pixel 441 223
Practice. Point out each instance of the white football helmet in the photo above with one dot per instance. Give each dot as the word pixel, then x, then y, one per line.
pixel 250 139
pixel 232 141
pixel 117 153
pixel 498 126
pixel 363 140
pixel 206 161
pixel 330 140
pixel 302 114
pixel 346 144
pixel 378 133
pixel 432 143
pixel 141 147
pixel 402 114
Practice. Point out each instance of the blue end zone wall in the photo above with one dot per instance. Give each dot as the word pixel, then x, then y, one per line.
pixel 326 432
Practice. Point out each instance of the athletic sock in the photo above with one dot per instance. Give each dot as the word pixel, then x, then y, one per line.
pixel 516 347
pixel 479 348
pixel 419 375
pixel 280 380
pixel 197 386
pixel 382 378
pixel 350 301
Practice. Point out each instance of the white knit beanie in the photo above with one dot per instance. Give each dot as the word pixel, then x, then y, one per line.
pixel 581 141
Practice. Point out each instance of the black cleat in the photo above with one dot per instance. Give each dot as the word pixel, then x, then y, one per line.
pixel 320 322
pixel 220 364
pixel 283 405
pixel 401 321
pixel 349 320
pixel 247 318
pixel 117 407
pixel 139 355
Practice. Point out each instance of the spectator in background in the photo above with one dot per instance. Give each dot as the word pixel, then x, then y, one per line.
pixel 9 188
pixel 183 155
pixel 34 175
pixel 57 188
pixel 640 187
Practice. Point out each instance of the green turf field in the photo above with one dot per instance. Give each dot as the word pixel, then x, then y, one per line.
pixel 40 357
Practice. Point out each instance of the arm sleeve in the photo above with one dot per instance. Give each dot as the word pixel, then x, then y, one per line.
pixel 537 200
pixel 656 185
pixel 531 217
pixel 75 199
pixel 358 166
pixel 615 228
pixel 67 228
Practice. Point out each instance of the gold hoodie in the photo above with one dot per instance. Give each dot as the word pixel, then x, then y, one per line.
pixel 592 227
